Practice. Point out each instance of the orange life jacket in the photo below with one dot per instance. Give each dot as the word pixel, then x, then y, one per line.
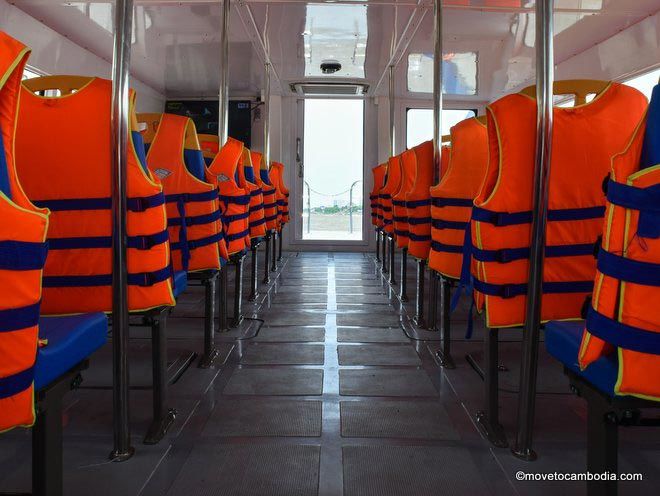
pixel 282 191
pixel 624 313
pixel 22 256
pixel 392 184
pixel 63 151
pixel 193 213
pixel 452 197
pixel 399 210
pixel 444 160
pixel 234 200
pixel 210 146
pixel 418 203
pixel 246 180
pixel 269 192
pixel 584 139
pixel 379 173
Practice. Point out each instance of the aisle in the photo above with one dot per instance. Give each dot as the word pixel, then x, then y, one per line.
pixel 330 398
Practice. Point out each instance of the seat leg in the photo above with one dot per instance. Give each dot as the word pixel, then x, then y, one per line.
pixel 254 276
pixel 433 301
pixel 269 237
pixel 163 417
pixel 602 445
pixel 222 300
pixel 418 319
pixel 273 265
pixel 47 467
pixel 488 419
pixel 238 293
pixel 392 252
pixel 210 351
pixel 404 275
pixel 444 354
pixel 279 250
pixel 377 245
pixel 385 265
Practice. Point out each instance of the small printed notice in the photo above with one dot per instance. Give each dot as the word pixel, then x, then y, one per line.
pixel 162 173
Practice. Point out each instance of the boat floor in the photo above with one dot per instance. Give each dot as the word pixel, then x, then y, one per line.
pixel 330 391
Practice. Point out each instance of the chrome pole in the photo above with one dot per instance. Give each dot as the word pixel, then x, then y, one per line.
pixel 223 100
pixel 437 87
pixel 544 125
pixel 392 114
pixel 266 114
pixel 120 126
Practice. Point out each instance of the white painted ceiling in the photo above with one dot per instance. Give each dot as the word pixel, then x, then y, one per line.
pixel 176 43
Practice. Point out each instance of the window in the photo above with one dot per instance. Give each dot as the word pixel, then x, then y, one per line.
pixel 419 123
pixel 30 73
pixel 459 73
pixel 645 82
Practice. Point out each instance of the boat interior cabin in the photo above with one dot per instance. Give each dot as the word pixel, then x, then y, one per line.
pixel 329 247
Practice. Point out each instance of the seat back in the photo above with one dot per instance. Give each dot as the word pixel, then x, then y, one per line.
pixel 624 314
pixel 193 213
pixel 399 211
pixel 418 203
pixel 22 256
pixel 379 173
pixel 76 187
pixel 234 200
pixel 452 197
pixel 584 139
pixel 257 219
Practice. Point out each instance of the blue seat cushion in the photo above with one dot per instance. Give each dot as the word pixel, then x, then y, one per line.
pixel 562 340
pixel 71 340
pixel 180 282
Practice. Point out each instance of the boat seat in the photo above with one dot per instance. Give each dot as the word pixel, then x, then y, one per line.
pixel 70 340
pixel 562 341
pixel 180 282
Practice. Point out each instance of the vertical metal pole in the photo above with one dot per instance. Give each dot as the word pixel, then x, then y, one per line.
pixel 269 236
pixel 309 208
pixel 254 286
pixel 392 253
pixel 223 100
pixel 437 87
pixel 350 209
pixel 120 125
pixel 377 245
pixel 544 125
pixel 403 295
pixel 444 354
pixel 266 114
pixel 392 114
pixel 418 319
pixel 273 265
pixel 433 301
pixel 385 266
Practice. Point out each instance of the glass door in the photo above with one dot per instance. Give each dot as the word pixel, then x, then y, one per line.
pixel 331 167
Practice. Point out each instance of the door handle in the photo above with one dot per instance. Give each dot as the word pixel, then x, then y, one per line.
pixel 301 168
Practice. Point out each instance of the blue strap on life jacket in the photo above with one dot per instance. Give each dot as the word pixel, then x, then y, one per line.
pixel 418 203
pixel 399 203
pixel 622 335
pixel 256 192
pixel 506 255
pixel 417 221
pixel 143 279
pixel 512 290
pixel 137 204
pixel 199 243
pixel 448 224
pixel 270 218
pixel 238 199
pixel 451 202
pixel 14 319
pixel 502 219
pixel 651 146
pixel 238 235
pixel 400 219
pixel 183 234
pixel 419 237
pixel 17 383
pixel 193 197
pixel 255 208
pixel 235 217
pixel 405 234
pixel 22 255
pixel 466 281
pixel 90 242
pixel 257 223
pixel 443 247
pixel 195 220
pixel 645 200
pixel 625 269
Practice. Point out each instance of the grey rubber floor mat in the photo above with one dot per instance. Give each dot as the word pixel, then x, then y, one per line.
pixel 407 419
pixel 360 290
pixel 385 382
pixel 254 470
pixel 283 354
pixel 370 335
pixel 291 334
pixel 265 418
pixel 368 319
pixel 293 318
pixel 377 354
pixel 294 298
pixel 410 470
pixel 368 298
pixel 277 381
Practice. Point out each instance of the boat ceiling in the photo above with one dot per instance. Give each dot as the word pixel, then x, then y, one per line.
pixel 488 44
